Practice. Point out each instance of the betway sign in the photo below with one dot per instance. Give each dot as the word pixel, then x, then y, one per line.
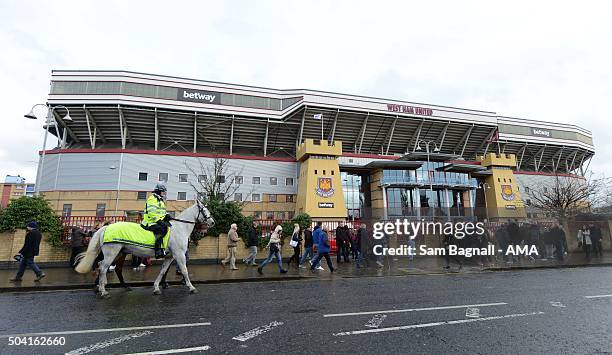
pixel 422 111
pixel 205 97
pixel 540 132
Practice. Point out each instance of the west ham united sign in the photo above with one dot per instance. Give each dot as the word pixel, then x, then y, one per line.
pixel 324 187
pixel 507 193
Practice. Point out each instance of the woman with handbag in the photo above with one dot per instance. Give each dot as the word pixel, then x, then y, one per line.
pixel 274 251
pixel 295 243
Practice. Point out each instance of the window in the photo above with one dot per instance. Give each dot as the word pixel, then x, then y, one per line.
pixel 238 197
pixel 528 202
pixel 280 215
pixel 257 215
pixel 273 181
pixel 256 180
pixel 239 180
pixel 256 197
pixel 202 178
pixel 269 215
pixel 315 171
pixel 289 198
pixel 142 176
pixel 290 214
pixel 142 195
pixel 182 177
pixel 163 177
pixel 272 198
pixel 67 211
pixel 221 179
pixel 100 210
pixel 332 172
pixel 289 181
pixel 181 196
pixel 221 196
pixel 545 189
pixel 526 189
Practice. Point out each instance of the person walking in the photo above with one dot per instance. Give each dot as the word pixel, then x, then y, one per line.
pixel 595 234
pixel 316 237
pixel 296 242
pixel 584 239
pixel 28 252
pixel 308 247
pixel 360 243
pixel 77 239
pixel 232 244
pixel 252 242
pixel 558 236
pixel 322 251
pixel 273 251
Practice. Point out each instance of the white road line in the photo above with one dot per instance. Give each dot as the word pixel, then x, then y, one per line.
pixel 557 304
pixel 376 321
pixel 415 309
pixel 105 344
pixel 174 351
pixel 257 331
pixel 104 330
pixel 598 296
pixel 425 325
pixel 472 312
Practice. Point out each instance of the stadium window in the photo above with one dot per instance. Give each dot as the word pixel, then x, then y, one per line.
pixel 272 198
pixel 238 197
pixel 289 198
pixel 498 180
pixel 290 214
pixel 163 177
pixel 273 181
pixel 256 198
pixel 182 177
pixel 289 181
pixel 256 180
pixel 528 202
pixel 181 196
pixel 142 195
pixel 257 215
pixel 280 215
pixel 239 180
pixel 269 215
pixel 332 172
pixel 100 210
pixel 67 211
pixel 526 189
pixel 221 179
pixel 221 196
pixel 202 178
pixel 142 176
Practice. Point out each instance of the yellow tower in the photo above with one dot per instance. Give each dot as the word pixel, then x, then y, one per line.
pixel 320 187
pixel 503 196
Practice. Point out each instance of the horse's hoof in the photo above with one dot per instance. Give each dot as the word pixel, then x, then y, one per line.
pixel 157 292
pixel 165 285
pixel 193 290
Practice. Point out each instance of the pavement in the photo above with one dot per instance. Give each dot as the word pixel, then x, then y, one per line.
pixel 62 278
pixel 544 311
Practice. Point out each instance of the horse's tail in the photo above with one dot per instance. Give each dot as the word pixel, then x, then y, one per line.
pixel 87 258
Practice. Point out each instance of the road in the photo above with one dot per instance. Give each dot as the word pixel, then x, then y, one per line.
pixel 544 312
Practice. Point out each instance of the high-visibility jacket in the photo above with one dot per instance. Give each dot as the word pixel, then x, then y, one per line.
pixel 155 210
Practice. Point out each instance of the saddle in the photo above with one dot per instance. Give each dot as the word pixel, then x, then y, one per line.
pixel 134 234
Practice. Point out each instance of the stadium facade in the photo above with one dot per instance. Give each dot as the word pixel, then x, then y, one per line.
pixel 329 154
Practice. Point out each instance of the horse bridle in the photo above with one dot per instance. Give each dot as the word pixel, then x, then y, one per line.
pixel 200 212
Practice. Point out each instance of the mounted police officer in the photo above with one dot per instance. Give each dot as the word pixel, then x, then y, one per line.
pixel 156 219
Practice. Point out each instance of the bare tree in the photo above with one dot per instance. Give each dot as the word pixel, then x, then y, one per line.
pixel 216 181
pixel 565 196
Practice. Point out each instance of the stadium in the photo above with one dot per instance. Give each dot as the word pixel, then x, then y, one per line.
pixel 332 155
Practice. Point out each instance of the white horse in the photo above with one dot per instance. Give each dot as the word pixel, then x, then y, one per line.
pixel 178 243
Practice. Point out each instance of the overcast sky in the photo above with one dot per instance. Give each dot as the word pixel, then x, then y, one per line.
pixel 534 59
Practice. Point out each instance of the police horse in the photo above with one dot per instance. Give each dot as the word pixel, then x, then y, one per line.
pixel 178 241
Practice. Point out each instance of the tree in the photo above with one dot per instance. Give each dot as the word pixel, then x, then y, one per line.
pixel 25 209
pixel 566 197
pixel 215 181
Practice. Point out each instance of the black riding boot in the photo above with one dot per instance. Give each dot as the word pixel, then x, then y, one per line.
pixel 159 252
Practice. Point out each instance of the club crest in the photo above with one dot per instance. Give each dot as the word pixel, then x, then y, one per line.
pixel 507 193
pixel 324 187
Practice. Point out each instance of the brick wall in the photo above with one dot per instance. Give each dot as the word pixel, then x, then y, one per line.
pixel 11 243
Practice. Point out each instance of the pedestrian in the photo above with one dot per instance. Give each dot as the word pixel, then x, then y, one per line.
pixel 296 242
pixel 323 251
pixel 558 238
pixel 361 241
pixel 316 237
pixel 595 233
pixel 28 252
pixel 273 251
pixel 584 240
pixel 252 242
pixel 308 246
pixel 77 241
pixel 232 244
pixel 352 238
pixel 342 243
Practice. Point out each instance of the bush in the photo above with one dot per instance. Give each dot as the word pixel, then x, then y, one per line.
pixel 25 209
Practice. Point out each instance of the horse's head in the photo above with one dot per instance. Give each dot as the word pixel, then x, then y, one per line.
pixel 204 216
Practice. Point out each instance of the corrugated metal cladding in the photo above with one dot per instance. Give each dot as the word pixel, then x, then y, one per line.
pixel 100 171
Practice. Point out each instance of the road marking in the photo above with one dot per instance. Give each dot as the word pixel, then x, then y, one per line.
pixel 425 325
pixel 557 304
pixel 598 296
pixel 174 351
pixel 107 343
pixel 414 309
pixel 376 321
pixel 472 312
pixel 257 331
pixel 104 330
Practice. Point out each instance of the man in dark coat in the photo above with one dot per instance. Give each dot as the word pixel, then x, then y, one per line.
pixel 252 242
pixel 76 242
pixel 28 252
pixel 596 239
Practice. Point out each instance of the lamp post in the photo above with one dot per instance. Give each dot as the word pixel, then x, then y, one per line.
pixel 436 150
pixel 483 186
pixel 50 118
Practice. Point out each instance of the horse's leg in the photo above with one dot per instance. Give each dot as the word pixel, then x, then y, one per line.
pixel 119 270
pixel 182 263
pixel 164 283
pixel 163 270
pixel 110 253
